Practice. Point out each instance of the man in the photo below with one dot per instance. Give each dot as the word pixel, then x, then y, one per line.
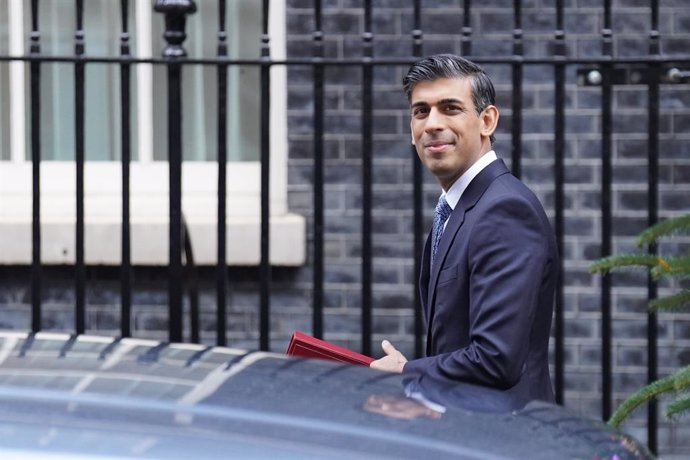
pixel 487 281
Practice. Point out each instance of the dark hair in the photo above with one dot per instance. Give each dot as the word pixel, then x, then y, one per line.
pixel 452 66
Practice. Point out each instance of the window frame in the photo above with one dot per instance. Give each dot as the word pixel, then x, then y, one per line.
pixel 103 182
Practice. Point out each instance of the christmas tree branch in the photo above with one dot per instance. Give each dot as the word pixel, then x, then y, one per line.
pixel 664 228
pixel 677 407
pixel 642 396
pixel 624 261
pixel 679 301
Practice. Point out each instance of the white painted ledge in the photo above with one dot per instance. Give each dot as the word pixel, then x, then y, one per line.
pixel 148 211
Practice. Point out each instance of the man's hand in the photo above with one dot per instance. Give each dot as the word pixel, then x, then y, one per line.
pixel 392 362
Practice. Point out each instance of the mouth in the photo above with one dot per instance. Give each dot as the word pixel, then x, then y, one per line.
pixel 436 146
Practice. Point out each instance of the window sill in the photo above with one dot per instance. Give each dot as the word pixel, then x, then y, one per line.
pixel 149 214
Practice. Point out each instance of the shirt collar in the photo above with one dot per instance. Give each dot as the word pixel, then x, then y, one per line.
pixel 456 190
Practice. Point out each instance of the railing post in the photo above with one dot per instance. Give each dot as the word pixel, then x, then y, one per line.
pixel 35 79
pixel 125 120
pixel 176 12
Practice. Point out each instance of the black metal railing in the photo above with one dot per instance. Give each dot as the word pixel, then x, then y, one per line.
pixel 603 71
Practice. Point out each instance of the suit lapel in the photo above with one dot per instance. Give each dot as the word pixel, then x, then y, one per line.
pixel 468 200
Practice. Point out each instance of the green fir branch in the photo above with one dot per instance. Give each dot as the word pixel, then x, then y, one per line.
pixel 678 407
pixel 658 266
pixel 673 383
pixel 681 378
pixel 676 302
pixel 642 396
pixel 666 227
pixel 607 264
pixel 677 267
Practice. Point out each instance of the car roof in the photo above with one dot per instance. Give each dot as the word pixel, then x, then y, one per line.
pixel 102 397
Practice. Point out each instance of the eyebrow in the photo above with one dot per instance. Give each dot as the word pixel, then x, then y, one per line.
pixel 449 100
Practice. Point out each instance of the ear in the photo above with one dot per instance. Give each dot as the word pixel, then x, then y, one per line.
pixel 489 119
pixel 411 133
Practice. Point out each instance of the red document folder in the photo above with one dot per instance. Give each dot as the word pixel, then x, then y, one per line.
pixel 307 346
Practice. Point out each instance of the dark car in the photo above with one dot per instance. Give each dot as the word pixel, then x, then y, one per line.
pixel 72 397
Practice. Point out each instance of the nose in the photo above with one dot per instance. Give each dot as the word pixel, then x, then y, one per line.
pixel 434 121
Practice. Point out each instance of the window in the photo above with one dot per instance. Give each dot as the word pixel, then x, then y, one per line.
pixel 149 136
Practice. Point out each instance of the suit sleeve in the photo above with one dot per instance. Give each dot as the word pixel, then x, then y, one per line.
pixel 507 255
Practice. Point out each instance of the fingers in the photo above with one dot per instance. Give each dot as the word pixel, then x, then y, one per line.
pixel 388 347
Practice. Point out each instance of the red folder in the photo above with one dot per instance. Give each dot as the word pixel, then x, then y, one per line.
pixel 307 346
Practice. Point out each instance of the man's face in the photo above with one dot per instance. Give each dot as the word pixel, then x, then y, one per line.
pixel 447 132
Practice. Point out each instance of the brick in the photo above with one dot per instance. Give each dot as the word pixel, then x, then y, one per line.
pixel 683 358
pixel 535 23
pixel 628 47
pixel 580 23
pixel 386 124
pixel 674 148
pixel 628 226
pixel 673 46
pixel 633 200
pixel 578 277
pixel 577 328
pixel 492 47
pixel 390 99
pixel 631 148
pixel 386 21
pixel 589 303
pixel 629 356
pixel 680 173
pixel 343 124
pixel 588 149
pixel 630 123
pixel 629 382
pixel 342 23
pixel 589 353
pixel 681 123
pixel 675 200
pixel 300 23
pixel 580 226
pixel 631 304
pixel 439 22
pixel 582 382
pixel 629 328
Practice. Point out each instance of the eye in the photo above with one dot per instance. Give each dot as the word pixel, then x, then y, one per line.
pixel 453 108
pixel 420 112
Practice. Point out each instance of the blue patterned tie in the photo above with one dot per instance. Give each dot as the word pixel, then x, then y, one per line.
pixel 441 214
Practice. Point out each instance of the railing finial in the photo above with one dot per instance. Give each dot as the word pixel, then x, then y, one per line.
pixel 176 12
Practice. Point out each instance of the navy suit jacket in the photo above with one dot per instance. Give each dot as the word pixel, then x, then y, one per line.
pixel 488 300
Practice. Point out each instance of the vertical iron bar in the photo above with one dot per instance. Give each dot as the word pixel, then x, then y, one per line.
pixel 175 278
pixel 367 120
pixel 606 227
pixel 175 21
pixel 221 267
pixel 559 199
pixel 79 82
pixel 318 53
pixel 466 40
pixel 418 244
pixel 125 111
pixel 517 91
pixel 652 218
pixel 192 283
pixel 36 269
pixel 265 268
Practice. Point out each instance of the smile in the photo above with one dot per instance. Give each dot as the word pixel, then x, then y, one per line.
pixel 436 146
